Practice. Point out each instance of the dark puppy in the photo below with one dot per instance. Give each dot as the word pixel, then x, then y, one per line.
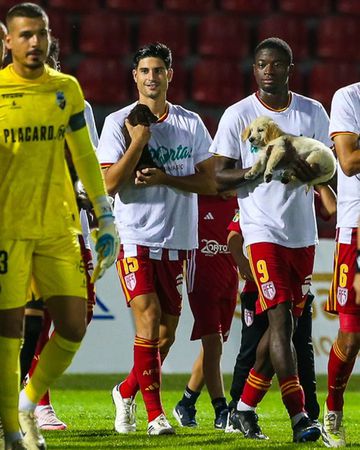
pixel 141 115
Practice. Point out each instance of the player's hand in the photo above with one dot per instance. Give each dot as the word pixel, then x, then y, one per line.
pixel 305 172
pixel 150 176
pixel 138 133
pixel 107 238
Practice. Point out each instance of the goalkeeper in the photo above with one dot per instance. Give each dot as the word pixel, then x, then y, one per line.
pixel 40 108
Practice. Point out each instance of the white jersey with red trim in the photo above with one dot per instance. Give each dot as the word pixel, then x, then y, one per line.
pixel 273 212
pixel 345 118
pixel 159 216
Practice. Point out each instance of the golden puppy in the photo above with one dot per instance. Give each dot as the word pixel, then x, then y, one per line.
pixel 275 146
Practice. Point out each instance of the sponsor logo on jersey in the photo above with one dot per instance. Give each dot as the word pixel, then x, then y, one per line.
pixel 15 95
pixel 34 134
pixel 60 99
pixel 163 155
pixel 268 290
pixel 342 295
pixel 248 317
pixel 130 281
pixel 208 216
pixel 212 247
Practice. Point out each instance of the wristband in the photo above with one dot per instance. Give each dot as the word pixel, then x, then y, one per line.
pixel 357 261
pixel 102 207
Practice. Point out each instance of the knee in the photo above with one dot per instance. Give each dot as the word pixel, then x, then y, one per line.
pixel 349 344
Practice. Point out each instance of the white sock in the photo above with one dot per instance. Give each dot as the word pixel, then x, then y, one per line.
pixel 25 404
pixel 241 406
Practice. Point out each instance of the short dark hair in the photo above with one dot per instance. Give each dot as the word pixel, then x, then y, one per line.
pixel 155 50
pixel 27 9
pixel 276 43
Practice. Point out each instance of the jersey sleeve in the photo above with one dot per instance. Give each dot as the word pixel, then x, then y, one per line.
pixel 227 138
pixel 111 143
pixel 202 142
pixel 322 126
pixel 343 116
pixel 235 223
pixel 90 122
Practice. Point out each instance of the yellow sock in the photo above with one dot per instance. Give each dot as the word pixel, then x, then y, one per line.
pixel 55 358
pixel 9 383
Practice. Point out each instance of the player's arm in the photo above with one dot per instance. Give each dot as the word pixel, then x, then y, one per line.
pixel 348 152
pixel 227 175
pixel 201 182
pixel 328 205
pixel 235 242
pixel 121 171
pixel 88 169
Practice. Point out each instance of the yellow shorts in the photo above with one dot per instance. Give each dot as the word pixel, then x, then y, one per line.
pixel 55 266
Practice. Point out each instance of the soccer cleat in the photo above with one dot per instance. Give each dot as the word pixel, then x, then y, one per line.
pixel 247 423
pixel 221 419
pixel 185 415
pixel 160 425
pixel 305 430
pixel 33 439
pixel 229 426
pixel 47 420
pixel 333 433
pixel 125 420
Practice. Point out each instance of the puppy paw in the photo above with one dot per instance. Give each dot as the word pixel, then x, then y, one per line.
pixel 268 177
pixel 250 175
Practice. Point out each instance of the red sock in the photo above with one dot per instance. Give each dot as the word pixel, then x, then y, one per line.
pixel 43 339
pixel 130 386
pixel 292 395
pixel 255 388
pixel 339 371
pixel 147 368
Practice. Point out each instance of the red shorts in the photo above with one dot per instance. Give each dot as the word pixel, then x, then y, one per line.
pixel 141 275
pixel 214 290
pixel 342 294
pixel 281 274
pixel 89 268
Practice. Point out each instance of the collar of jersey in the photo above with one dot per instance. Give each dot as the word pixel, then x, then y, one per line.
pixel 273 109
pixel 37 80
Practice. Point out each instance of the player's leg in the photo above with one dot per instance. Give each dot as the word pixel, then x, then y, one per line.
pixel 253 327
pixel 305 358
pixel 346 346
pixel 185 410
pixel 33 322
pixel 15 284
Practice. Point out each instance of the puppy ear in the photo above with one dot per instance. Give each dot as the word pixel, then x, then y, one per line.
pixel 245 134
pixel 272 132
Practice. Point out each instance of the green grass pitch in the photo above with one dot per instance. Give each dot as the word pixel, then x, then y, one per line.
pixel 84 403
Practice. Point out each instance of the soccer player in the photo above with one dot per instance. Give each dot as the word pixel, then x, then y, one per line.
pixel 278 224
pixel 156 214
pixel 212 285
pixel 344 131
pixel 254 326
pixel 40 107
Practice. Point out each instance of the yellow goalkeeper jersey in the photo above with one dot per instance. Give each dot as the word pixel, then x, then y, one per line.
pixel 37 199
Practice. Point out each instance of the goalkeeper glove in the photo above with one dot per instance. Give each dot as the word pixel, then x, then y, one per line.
pixel 107 239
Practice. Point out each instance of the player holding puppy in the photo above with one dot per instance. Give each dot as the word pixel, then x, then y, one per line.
pixel 156 214
pixel 279 229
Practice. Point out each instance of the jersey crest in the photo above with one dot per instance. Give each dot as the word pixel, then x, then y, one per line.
pixel 268 290
pixel 60 99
